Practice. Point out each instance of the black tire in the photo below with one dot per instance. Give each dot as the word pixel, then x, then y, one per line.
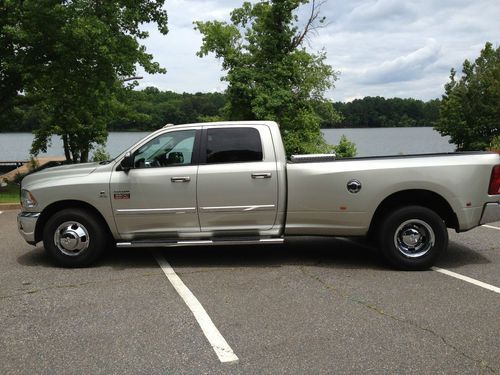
pixel 74 237
pixel 412 237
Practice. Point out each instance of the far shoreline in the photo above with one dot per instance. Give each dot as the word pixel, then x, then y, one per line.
pixel 152 130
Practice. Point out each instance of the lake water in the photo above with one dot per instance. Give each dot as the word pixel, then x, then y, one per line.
pixel 369 142
pixel 392 141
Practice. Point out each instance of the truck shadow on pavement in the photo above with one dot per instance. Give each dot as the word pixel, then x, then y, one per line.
pixel 459 255
pixel 335 253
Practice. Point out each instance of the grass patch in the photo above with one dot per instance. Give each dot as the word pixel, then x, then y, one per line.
pixel 9 193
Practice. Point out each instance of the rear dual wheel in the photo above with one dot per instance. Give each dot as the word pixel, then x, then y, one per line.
pixel 413 237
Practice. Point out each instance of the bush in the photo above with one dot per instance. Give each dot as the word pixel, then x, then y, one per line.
pixel 495 144
pixel 100 154
pixel 345 148
pixel 33 163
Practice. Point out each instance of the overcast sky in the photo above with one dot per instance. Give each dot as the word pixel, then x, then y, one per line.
pixel 390 48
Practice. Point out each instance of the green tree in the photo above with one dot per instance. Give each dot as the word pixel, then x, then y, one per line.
pixel 150 109
pixel 382 112
pixel 100 154
pixel 345 148
pixel 470 108
pixel 495 144
pixel 71 58
pixel 270 73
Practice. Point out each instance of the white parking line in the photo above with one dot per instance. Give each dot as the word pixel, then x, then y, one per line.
pixel 219 344
pixel 1 212
pixel 490 226
pixel 467 279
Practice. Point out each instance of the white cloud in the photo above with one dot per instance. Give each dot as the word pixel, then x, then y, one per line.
pixel 382 47
pixel 354 97
pixel 382 12
pixel 403 68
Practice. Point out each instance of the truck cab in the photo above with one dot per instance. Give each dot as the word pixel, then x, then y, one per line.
pixel 199 182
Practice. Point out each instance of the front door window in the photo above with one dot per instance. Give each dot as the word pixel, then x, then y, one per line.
pixel 169 149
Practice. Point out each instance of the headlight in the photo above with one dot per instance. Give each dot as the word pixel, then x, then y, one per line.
pixel 27 199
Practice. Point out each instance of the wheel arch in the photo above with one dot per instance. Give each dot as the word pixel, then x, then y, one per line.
pixel 417 197
pixel 62 205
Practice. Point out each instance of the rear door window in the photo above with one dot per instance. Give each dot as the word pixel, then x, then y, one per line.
pixel 233 145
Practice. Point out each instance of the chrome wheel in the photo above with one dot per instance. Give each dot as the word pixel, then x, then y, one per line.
pixel 71 238
pixel 414 238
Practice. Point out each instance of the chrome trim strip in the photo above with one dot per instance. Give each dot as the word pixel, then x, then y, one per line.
pixel 311 158
pixel 257 207
pixel 147 211
pixel 33 215
pixel 124 244
pixel 193 243
pixel 272 240
pixel 262 241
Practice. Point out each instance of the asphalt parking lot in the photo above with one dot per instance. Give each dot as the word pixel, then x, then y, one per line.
pixel 312 306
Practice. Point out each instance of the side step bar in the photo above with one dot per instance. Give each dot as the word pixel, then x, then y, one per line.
pixel 217 242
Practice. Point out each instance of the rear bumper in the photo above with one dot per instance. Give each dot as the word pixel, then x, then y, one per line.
pixel 26 224
pixel 491 213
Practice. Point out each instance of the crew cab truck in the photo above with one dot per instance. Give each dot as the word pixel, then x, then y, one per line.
pixel 230 183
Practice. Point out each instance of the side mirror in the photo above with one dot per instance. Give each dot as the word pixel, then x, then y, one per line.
pixel 127 162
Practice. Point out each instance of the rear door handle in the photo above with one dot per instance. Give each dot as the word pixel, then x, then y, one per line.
pixel 260 175
pixel 180 179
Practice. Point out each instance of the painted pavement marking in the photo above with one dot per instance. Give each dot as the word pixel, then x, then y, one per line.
pixel 491 227
pixel 467 279
pixel 214 337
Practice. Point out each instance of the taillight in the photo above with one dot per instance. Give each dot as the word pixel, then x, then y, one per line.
pixel 495 181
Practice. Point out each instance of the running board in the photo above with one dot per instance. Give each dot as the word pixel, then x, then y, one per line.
pixel 217 242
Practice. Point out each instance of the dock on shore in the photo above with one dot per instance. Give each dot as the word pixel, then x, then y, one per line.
pixel 24 166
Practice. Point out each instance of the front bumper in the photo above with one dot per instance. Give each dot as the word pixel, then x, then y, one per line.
pixel 491 213
pixel 26 223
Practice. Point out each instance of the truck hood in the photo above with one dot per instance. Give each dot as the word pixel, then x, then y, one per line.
pixel 64 171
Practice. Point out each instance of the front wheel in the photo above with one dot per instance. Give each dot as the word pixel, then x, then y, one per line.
pixel 74 237
pixel 412 238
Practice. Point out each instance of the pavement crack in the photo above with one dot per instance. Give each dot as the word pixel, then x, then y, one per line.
pixel 378 310
pixel 194 272
pixel 78 285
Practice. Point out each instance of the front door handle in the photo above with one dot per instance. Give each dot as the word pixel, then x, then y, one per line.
pixel 180 179
pixel 262 175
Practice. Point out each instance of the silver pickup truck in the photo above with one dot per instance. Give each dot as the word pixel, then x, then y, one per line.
pixel 230 183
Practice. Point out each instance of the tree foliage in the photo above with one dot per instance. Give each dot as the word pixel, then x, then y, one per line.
pixel 68 60
pixel 495 144
pixel 270 73
pixel 345 148
pixel 470 108
pixel 150 109
pixel 376 112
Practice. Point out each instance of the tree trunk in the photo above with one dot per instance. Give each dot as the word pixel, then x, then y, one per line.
pixel 84 155
pixel 67 153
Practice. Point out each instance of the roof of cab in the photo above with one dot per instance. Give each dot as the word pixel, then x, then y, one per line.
pixel 228 123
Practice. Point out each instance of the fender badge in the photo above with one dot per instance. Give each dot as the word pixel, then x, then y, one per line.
pixel 121 195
